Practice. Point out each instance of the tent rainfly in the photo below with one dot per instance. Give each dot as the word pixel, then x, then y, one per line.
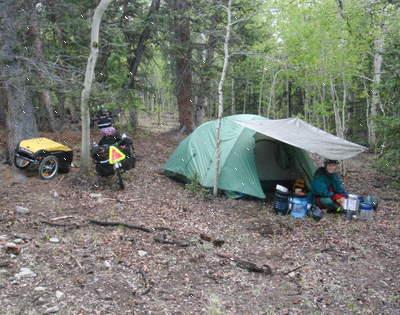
pixel 256 153
pixel 300 134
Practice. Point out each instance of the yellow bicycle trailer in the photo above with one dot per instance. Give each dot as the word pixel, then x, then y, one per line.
pixel 48 156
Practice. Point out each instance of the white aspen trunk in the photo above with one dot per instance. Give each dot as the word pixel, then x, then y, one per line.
pixel 233 105
pixel 221 99
pixel 338 123
pixel 322 93
pixel 87 85
pixel 271 103
pixel 344 105
pixel 245 96
pixel 367 109
pixel 251 94
pixel 375 100
pixel 343 168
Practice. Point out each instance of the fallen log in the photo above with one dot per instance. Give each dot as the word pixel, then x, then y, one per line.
pixel 127 225
pixel 247 265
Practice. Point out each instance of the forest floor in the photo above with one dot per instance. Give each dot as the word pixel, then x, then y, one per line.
pixel 76 267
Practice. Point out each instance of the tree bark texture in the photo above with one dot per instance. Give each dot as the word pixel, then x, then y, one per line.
pixel 205 82
pixel 87 85
pixel 17 96
pixel 44 93
pixel 137 54
pixel 183 67
pixel 221 98
pixel 375 99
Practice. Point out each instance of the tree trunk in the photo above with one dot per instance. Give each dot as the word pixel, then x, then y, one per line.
pixel 136 55
pixel 3 105
pixel 183 66
pixel 44 94
pixel 87 85
pixel 21 123
pixel 20 118
pixel 221 99
pixel 233 105
pixel 261 91
pixel 336 110
pixel 245 96
pixel 375 100
pixel 61 108
pixel 205 86
pixel 141 45
pixel 271 104
pixel 289 97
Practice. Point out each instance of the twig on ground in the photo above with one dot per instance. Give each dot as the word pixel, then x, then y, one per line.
pixel 146 282
pixel 162 238
pixel 70 226
pixel 249 266
pixel 77 262
pixel 293 270
pixel 127 225
pixel 63 217
pixel 162 228
pixel 59 181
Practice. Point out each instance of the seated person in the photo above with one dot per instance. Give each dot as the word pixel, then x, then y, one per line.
pixel 327 187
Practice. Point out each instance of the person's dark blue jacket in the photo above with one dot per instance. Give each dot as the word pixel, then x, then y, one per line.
pixel 325 185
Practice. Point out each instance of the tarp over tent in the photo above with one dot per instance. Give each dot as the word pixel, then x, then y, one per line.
pixel 248 159
pixel 298 133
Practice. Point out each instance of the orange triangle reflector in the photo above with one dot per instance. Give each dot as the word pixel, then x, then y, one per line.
pixel 115 155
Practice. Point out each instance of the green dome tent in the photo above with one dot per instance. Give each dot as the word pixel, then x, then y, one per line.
pixel 251 162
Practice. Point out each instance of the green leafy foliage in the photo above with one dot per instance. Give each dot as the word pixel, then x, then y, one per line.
pixel 389 158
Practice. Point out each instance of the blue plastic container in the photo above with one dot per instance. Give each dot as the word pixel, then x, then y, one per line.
pixel 366 211
pixel 298 207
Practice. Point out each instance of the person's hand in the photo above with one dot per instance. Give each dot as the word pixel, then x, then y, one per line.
pixel 341 201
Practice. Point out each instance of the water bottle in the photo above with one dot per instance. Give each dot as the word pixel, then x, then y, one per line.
pixel 366 212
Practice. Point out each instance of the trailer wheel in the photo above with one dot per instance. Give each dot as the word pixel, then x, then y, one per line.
pixel 48 167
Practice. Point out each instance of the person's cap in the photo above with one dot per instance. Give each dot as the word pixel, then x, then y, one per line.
pixel 104 122
pixel 328 161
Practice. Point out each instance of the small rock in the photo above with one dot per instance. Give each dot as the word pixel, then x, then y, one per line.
pixel 95 195
pixel 22 210
pixel 39 289
pixel 142 253
pixel 52 310
pixel 55 194
pixel 107 264
pixel 54 240
pixel 25 273
pixel 18 241
pixel 12 248
pixel 4 264
pixel 3 237
pixel 59 294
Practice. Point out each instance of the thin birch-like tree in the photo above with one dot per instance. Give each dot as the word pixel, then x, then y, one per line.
pixel 221 98
pixel 87 85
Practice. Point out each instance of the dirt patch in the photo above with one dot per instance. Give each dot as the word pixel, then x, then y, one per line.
pixel 332 266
